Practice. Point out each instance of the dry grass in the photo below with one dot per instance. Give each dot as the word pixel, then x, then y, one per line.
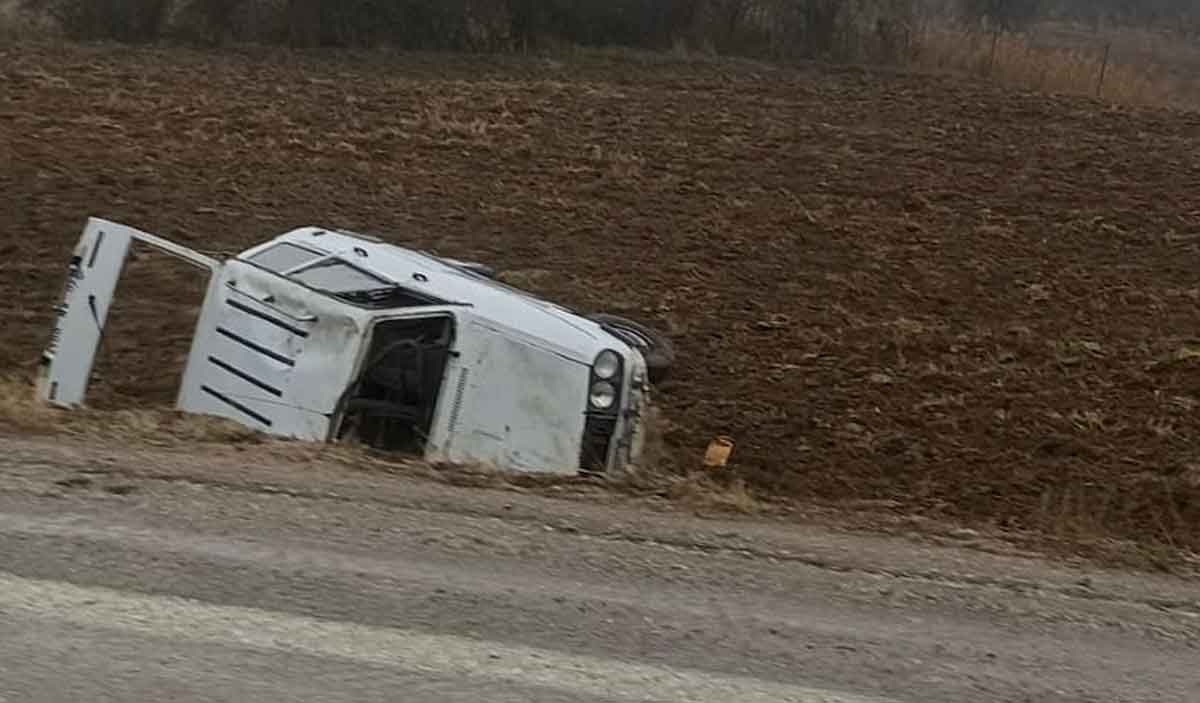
pixel 692 487
pixel 1083 512
pixel 657 477
pixel 1077 514
pixel 22 411
pixel 439 117
pixel 1057 64
pixel 712 494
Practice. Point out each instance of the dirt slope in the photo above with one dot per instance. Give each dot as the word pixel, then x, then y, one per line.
pixel 977 304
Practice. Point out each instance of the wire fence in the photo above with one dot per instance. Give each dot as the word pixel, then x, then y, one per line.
pixel 1134 66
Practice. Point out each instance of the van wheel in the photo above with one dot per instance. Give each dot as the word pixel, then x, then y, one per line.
pixel 656 347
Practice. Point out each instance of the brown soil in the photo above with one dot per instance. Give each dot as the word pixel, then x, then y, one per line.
pixel 960 301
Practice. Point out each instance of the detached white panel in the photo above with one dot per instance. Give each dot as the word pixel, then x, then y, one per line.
pixel 92 277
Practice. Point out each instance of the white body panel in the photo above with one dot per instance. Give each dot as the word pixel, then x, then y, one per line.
pixel 272 354
pixel 95 269
pixel 516 402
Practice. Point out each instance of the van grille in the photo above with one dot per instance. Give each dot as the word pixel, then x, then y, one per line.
pixel 597 439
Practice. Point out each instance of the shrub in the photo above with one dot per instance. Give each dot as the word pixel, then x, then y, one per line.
pixel 784 28
pixel 122 20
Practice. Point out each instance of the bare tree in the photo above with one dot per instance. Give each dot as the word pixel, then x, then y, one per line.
pixel 123 20
pixel 1002 15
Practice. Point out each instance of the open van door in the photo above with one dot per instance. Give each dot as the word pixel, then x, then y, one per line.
pixel 272 354
pixel 92 275
pixel 267 352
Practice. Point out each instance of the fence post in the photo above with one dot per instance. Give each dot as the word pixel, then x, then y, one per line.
pixel 992 55
pixel 1103 69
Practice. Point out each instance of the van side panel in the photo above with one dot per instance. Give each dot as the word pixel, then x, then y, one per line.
pixel 513 404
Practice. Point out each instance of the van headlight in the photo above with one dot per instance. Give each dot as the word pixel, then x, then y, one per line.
pixel 607 366
pixel 606 379
pixel 603 395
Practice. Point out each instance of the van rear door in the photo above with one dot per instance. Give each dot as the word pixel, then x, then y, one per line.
pixel 272 354
pixel 267 352
pixel 92 275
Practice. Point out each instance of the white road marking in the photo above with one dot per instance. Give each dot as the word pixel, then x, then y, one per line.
pixel 193 621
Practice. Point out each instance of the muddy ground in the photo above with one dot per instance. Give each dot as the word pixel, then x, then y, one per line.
pixel 917 291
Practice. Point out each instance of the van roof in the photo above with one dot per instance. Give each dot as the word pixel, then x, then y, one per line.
pixel 428 275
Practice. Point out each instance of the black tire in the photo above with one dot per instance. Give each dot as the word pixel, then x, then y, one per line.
pixel 656 347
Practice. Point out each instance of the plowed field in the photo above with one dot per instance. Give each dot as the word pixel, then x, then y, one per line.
pixel 953 299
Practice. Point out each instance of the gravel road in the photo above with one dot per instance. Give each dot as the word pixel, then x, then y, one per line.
pixel 135 574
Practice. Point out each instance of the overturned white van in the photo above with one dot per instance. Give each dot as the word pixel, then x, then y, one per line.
pixel 326 335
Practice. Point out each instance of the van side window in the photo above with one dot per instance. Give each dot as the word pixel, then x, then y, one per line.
pixel 337 276
pixel 284 257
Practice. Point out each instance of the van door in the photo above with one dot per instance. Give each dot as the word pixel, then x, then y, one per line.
pixel 272 354
pixel 92 275
pixel 268 353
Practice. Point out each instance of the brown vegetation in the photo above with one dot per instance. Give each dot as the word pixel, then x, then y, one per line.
pixel 973 304
pixel 21 411
pixel 1058 63
pixel 1141 54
